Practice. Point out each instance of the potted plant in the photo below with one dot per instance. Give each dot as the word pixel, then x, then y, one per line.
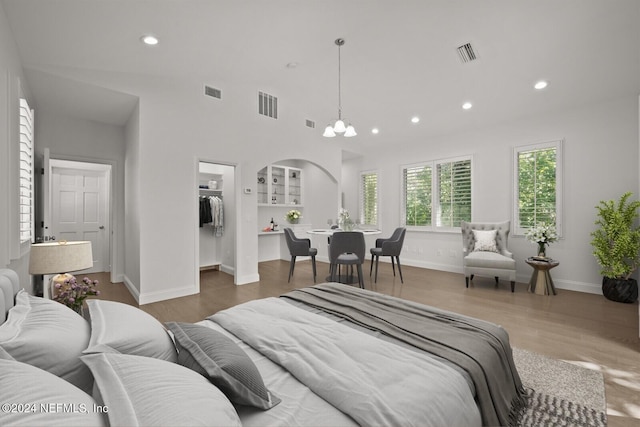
pixel 617 247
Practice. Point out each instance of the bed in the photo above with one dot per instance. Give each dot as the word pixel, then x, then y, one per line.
pixel 327 355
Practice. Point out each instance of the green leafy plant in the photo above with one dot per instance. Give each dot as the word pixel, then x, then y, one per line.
pixel 617 242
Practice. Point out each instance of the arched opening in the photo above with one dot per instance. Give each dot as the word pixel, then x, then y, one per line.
pixel 307 187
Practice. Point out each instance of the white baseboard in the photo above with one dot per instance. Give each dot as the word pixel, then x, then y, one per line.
pixel 150 297
pixel 250 278
pixel 132 289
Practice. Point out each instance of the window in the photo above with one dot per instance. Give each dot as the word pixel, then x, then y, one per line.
pixel 538 186
pixel 416 182
pixel 439 200
pixel 454 193
pixel 369 198
pixel 26 172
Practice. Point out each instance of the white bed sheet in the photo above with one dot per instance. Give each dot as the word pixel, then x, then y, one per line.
pixel 299 406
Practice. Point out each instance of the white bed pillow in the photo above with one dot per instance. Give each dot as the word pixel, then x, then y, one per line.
pixel 485 241
pixel 141 391
pixel 223 362
pixel 24 388
pixel 48 335
pixel 122 328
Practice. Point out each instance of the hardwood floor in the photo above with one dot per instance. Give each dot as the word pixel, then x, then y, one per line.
pixel 585 329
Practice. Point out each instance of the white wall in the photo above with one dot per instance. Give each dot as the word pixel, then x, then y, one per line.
pixel 177 124
pixel 600 162
pixel 132 204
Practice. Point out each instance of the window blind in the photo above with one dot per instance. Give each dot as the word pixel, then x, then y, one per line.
pixel 369 198
pixel 537 187
pixel 417 191
pixel 26 172
pixel 454 193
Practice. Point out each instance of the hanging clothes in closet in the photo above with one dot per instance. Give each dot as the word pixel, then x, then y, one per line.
pixel 212 212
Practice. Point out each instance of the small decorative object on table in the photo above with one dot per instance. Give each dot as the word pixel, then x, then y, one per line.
pixel 293 216
pixel 344 220
pixel 72 294
pixel 543 235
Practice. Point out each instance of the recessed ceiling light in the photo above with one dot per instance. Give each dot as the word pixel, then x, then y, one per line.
pixel 415 119
pixel 375 131
pixel 541 84
pixel 467 105
pixel 149 40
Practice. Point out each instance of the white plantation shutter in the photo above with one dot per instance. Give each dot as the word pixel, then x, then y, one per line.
pixel 26 172
pixel 437 194
pixel 538 186
pixel 416 189
pixel 369 198
pixel 454 193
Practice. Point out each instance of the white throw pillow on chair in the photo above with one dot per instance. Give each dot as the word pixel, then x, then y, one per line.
pixel 485 241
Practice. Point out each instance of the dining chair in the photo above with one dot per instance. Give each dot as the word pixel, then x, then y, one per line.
pixel 299 247
pixel 346 248
pixel 390 247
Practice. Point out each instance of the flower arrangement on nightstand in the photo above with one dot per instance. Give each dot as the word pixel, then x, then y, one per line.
pixel 72 294
pixel 543 235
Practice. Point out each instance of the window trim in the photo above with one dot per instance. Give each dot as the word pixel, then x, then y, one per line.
pixel 435 191
pixel 361 197
pixel 559 146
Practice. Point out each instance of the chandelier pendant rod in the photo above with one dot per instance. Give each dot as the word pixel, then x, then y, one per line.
pixel 339 42
pixel 339 126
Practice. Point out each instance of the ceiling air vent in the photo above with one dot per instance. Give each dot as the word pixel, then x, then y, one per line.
pixel 310 124
pixel 267 105
pixel 466 53
pixel 211 91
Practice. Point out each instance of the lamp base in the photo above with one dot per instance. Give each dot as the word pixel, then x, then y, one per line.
pixel 55 280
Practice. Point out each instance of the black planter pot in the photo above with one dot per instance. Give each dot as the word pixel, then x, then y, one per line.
pixel 620 290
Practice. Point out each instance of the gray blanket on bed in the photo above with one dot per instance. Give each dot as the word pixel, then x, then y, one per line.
pixel 480 348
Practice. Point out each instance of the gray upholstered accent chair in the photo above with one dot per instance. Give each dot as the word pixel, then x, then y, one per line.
pixel 299 247
pixel 347 248
pixel 391 247
pixel 485 255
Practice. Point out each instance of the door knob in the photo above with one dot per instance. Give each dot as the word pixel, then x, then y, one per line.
pixel 101 227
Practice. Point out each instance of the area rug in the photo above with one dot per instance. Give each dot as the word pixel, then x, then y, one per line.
pixel 560 393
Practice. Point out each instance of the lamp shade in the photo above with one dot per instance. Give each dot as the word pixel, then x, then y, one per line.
pixel 339 127
pixel 60 257
pixel 350 131
pixel 328 132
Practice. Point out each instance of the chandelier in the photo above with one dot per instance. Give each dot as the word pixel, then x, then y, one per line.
pixel 339 127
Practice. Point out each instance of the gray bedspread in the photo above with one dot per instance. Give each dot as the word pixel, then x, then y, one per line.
pixel 375 382
pixel 480 348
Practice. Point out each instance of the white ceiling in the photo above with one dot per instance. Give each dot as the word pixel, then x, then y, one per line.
pixel 399 59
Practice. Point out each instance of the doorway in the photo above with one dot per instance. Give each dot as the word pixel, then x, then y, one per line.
pixel 216 220
pixel 77 207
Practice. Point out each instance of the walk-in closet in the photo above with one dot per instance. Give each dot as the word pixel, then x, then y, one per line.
pixel 216 221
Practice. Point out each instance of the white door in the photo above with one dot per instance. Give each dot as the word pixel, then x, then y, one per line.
pixel 79 208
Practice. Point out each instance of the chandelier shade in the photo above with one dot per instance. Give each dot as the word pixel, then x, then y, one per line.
pixel 339 128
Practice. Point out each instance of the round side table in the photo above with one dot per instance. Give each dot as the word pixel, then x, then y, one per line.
pixel 541 282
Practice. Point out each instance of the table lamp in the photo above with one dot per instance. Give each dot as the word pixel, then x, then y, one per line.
pixel 60 258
